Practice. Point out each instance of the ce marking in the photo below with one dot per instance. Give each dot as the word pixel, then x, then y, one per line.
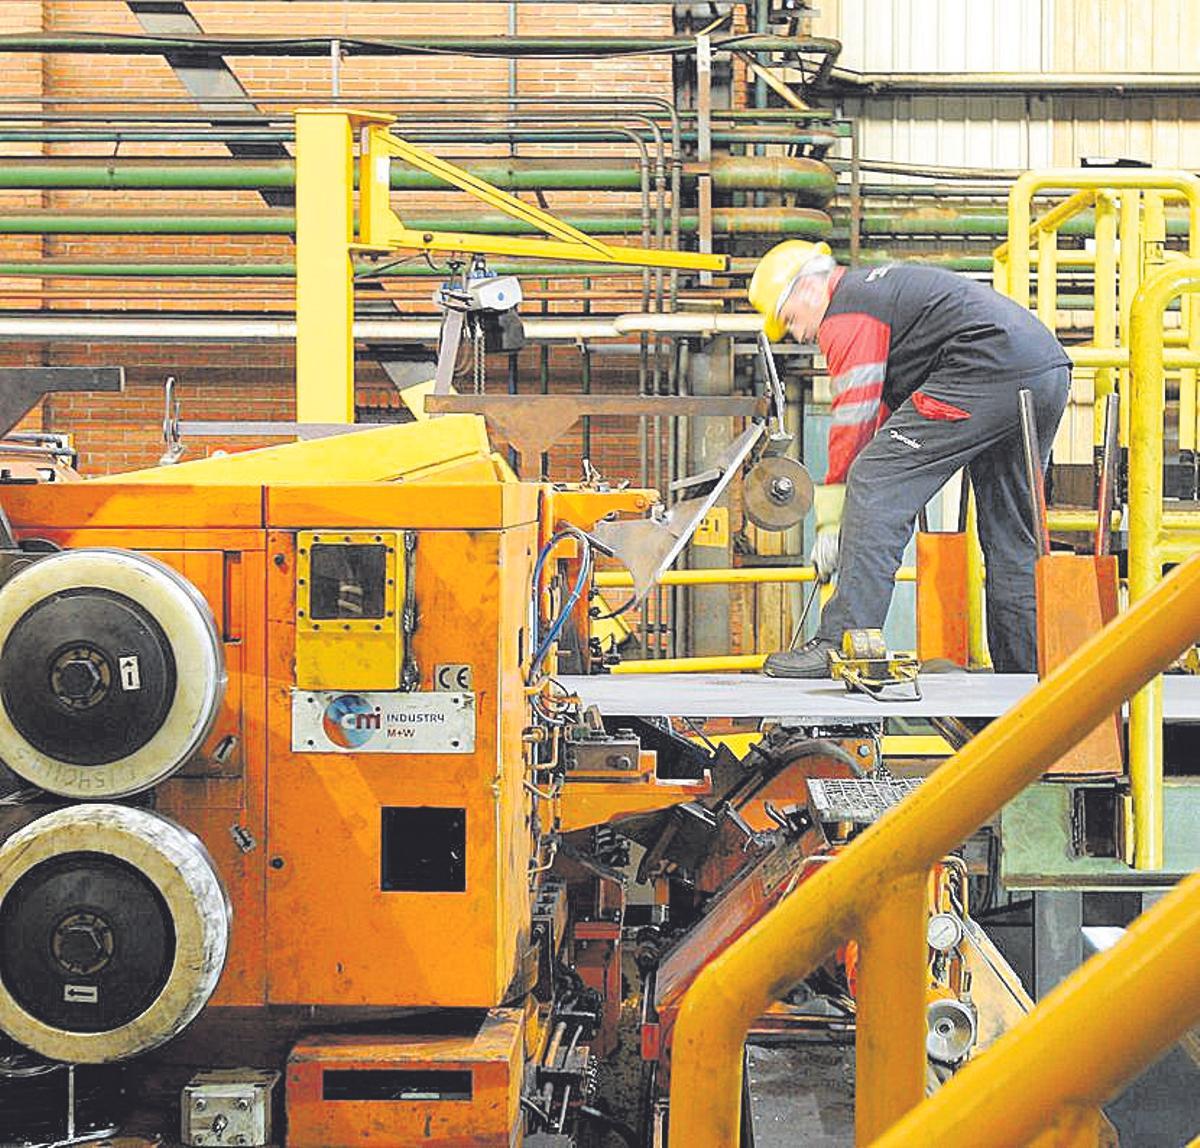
pixel 454 677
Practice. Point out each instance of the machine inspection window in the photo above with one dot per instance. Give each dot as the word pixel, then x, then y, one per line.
pixel 348 580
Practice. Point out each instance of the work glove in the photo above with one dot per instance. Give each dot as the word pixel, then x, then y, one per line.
pixel 828 502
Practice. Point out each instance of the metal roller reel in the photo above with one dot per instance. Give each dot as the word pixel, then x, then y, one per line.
pixel 111 673
pixel 778 493
pixel 113 932
pixel 951 1030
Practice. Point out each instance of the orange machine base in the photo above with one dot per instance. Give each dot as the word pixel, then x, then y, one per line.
pixel 394 1090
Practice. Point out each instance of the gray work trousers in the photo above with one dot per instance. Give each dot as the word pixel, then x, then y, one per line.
pixel 903 467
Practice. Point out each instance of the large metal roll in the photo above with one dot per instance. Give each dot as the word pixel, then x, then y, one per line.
pixel 111 673
pixel 113 932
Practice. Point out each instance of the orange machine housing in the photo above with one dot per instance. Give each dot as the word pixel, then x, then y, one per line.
pixel 297 836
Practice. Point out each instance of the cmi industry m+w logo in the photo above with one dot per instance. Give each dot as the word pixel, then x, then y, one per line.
pixel 350 721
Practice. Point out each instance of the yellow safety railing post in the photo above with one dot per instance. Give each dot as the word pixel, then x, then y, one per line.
pixel 1130 265
pixel 978 655
pixel 835 902
pixel 1147 537
pixel 1047 281
pixel 1091 1035
pixel 1104 322
pixel 324 272
pixel 893 957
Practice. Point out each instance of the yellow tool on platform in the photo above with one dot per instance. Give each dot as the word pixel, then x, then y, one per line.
pixel 865 664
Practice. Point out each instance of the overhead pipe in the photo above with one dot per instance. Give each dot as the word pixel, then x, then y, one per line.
pixel 769 135
pixel 906 222
pixel 86 269
pixel 537 330
pixel 495 47
pixel 1008 83
pixel 727 221
pixel 235 114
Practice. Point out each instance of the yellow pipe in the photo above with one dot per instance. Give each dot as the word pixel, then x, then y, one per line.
pixel 1148 405
pixel 730 576
pixel 1079 520
pixel 324 272
pixel 1119 357
pixel 1047 283
pixel 1177 548
pixel 1092 1035
pixel 808 924
pixel 1051 221
pixel 890 1024
pixel 978 656
pixel 1175 521
pixel 1016 249
pixel 715 664
pixel 1000 274
pixel 1153 256
pixel 1130 258
pixel 1104 321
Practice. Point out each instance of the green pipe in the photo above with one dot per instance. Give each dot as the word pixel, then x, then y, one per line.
pixel 51 223
pixel 808 178
pixel 76 269
pixel 104 43
pixel 726 221
pixel 389 268
pixel 741 268
pixel 993 225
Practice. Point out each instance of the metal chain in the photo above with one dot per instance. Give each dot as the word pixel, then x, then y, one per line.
pixel 480 359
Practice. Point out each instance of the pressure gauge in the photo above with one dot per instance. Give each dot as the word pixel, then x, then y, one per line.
pixel 944 932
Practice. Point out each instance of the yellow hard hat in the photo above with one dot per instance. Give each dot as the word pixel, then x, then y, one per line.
pixel 774 278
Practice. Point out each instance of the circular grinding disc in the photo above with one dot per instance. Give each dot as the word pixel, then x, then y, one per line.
pixel 778 493
pixel 111 673
pixel 113 932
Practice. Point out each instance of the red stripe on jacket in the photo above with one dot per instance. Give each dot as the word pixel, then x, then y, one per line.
pixel 855 347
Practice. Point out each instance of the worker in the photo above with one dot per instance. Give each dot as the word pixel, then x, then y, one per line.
pixel 925 367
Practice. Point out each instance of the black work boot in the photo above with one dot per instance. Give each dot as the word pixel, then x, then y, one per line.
pixel 810 661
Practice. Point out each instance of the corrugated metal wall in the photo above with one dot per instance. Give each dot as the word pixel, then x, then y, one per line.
pixel 1022 36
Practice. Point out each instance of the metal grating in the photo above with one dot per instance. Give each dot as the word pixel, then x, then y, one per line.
pixel 859 800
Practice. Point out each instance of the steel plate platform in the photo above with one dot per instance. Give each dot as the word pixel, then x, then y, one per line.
pixel 981 695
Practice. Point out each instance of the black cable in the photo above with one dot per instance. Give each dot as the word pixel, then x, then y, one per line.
pixel 617 612
pixel 379 269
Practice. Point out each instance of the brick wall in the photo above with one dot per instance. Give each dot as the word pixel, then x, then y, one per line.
pixel 221 382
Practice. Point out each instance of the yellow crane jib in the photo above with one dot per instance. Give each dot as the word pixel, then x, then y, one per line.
pixel 327 235
pixel 381 228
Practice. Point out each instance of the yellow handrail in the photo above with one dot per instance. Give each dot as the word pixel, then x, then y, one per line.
pixel 870 891
pixel 1151 534
pixel 1077 1049
pixel 730 576
pixel 1016 251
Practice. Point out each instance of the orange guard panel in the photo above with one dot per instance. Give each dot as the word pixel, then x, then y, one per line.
pixel 333 1082
pixel 336 936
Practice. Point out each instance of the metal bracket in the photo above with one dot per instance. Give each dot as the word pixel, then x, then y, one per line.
pixel 22 388
pixel 533 423
pixel 648 546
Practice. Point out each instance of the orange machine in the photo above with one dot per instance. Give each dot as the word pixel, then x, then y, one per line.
pixel 371 767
